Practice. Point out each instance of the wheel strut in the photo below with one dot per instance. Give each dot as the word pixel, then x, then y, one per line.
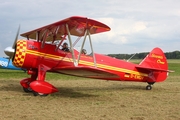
pixel 149 86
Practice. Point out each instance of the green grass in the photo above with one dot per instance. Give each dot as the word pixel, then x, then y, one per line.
pixel 84 99
pixel 175 67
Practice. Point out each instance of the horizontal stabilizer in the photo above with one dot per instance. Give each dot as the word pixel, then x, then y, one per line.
pixel 153 69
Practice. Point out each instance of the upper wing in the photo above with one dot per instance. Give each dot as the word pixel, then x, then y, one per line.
pixel 77 27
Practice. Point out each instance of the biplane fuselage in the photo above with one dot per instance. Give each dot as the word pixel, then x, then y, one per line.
pixel 31 56
pixel 37 55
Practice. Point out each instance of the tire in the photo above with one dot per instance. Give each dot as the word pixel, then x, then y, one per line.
pixel 148 87
pixel 27 90
pixel 39 94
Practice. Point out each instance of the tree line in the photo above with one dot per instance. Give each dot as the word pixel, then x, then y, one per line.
pixel 169 55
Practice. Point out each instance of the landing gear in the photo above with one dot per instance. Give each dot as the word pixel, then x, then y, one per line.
pixel 149 86
pixel 25 84
pixel 27 90
pixel 40 94
pixel 37 84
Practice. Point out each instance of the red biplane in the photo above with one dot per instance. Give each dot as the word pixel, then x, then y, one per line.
pixel 41 53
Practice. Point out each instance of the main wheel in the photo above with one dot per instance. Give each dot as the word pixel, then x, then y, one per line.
pixel 148 87
pixel 27 90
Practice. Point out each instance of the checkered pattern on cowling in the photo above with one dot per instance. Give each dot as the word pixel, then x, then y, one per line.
pixel 20 53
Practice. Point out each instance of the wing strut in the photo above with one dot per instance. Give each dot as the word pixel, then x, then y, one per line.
pixel 82 46
pixel 37 35
pixel 44 38
pixel 87 33
pixel 94 58
pixel 71 46
pixel 60 43
pixel 55 33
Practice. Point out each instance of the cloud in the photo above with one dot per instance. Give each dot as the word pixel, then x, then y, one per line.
pixel 135 25
pixel 121 30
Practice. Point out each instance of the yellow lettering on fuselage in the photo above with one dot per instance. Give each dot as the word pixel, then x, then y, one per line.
pixel 138 77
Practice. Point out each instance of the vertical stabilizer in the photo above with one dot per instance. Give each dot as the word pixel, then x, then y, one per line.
pixel 156 62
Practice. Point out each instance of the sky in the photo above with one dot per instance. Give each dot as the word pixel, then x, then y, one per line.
pixel 136 25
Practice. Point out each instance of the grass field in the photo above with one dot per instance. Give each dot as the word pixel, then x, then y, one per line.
pixel 89 99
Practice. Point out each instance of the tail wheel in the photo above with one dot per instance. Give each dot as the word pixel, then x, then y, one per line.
pixel 148 87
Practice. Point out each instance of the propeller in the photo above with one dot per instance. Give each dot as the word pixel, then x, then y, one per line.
pixel 9 51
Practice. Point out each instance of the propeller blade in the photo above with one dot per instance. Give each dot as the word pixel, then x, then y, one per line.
pixel 16 38
pixel 9 51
